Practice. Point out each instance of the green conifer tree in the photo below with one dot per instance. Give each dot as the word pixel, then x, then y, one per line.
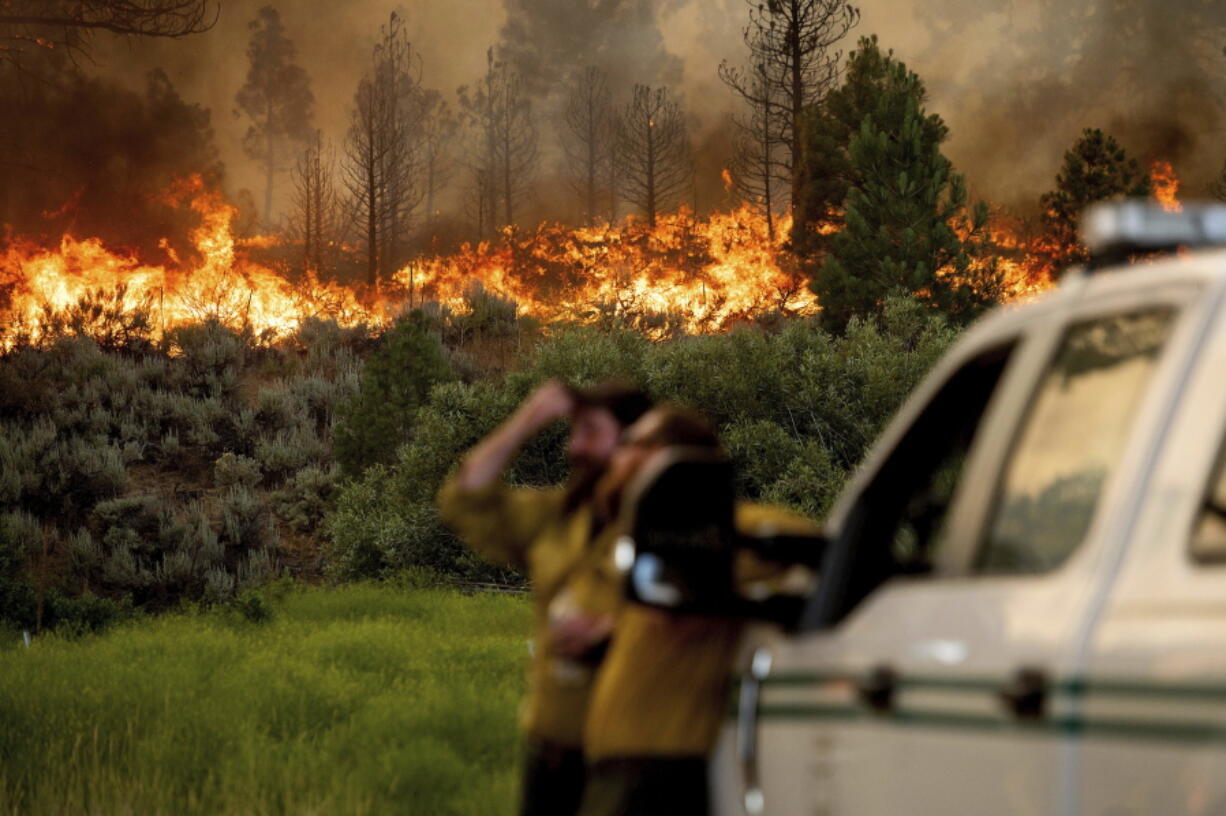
pixel 1095 168
pixel 396 381
pixel 824 171
pixel 904 211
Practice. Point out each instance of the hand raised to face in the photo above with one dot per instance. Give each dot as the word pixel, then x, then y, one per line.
pixel 551 401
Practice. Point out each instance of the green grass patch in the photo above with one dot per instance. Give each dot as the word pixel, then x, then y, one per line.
pixel 362 699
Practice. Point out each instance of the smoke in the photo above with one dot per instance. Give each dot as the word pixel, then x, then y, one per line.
pixel 1016 81
pixel 88 157
pixel 550 41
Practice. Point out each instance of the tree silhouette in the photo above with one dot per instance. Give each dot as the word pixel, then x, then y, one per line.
pixel 31 26
pixel 793 63
pixel 759 165
pixel 653 151
pixel 588 138
pixel 439 128
pixel 315 204
pixel 1095 168
pixel 383 150
pixel 276 98
pixel 503 157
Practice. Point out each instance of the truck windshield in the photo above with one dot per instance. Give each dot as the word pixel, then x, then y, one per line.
pixel 1071 440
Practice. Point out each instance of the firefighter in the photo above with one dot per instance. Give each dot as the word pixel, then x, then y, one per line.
pixel 549 534
pixel 661 693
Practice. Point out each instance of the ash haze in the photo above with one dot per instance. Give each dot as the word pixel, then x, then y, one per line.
pixel 1015 81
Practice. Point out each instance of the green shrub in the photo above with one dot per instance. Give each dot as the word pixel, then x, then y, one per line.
pixel 396 381
pixel 231 470
pixel 373 533
pixel 586 356
pixel 291 451
pixel 278 410
pixel 762 451
pixel 83 614
pixel 797 410
pixel 245 521
pixel 252 607
pixel 307 496
pixel 20 534
pixel 211 358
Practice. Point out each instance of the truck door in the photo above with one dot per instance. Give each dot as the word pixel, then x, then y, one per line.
pixel 1151 699
pixel 962 565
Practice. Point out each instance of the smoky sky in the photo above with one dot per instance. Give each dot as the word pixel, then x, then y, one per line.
pixel 1015 81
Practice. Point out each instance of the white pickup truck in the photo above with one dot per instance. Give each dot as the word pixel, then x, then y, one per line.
pixel 1022 603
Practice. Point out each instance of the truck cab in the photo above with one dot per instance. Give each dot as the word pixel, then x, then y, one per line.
pixel 1021 605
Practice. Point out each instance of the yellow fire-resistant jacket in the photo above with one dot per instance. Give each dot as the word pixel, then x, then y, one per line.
pixel 662 689
pixel 528 529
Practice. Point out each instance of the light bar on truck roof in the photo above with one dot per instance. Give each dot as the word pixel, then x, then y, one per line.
pixel 1114 230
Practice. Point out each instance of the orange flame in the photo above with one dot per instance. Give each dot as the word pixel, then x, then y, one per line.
pixel 685 274
pixel 222 284
pixel 1165 184
pixel 707 274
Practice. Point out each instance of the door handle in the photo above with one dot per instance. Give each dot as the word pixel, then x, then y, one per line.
pixel 747 729
pixel 1025 696
pixel 878 688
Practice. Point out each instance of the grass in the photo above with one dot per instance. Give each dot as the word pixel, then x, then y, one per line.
pixel 362 699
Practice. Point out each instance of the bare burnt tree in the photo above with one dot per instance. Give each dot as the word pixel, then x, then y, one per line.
pixel 477 105
pixel 30 26
pixel 276 98
pixel 515 145
pixel 588 139
pixel 365 155
pixel 791 45
pixel 504 139
pixel 316 205
pixel 383 151
pixel 653 151
pixel 759 168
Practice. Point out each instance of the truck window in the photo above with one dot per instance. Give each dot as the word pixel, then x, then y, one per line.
pixel 897 526
pixel 1072 437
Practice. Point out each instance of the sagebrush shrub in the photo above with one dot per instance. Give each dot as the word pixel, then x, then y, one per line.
pixel 307 496
pixel 230 469
pixel 211 358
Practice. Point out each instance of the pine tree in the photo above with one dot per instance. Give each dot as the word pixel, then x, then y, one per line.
pixel 383 151
pixel 824 173
pixel 903 214
pixel 504 142
pixel 276 98
pixel 1095 168
pixel 792 50
pixel 653 151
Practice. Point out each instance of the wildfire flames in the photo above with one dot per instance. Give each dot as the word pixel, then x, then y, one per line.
pixel 687 273
pixel 1165 185
pixel 706 273
pixel 222 284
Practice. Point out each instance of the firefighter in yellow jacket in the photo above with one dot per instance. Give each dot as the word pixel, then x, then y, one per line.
pixel 662 690
pixel 550 534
